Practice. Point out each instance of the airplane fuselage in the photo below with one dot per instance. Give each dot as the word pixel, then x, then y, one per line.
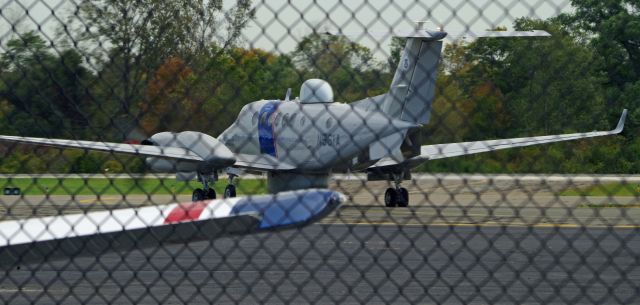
pixel 311 137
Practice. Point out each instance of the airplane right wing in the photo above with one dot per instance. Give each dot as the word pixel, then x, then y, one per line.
pixel 449 150
pixel 440 151
pixel 93 233
pixel 142 150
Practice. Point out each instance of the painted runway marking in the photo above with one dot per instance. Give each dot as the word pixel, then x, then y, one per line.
pixel 101 200
pixel 487 224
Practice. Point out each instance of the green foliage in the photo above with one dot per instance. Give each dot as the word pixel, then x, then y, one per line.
pixel 119 186
pixel 39 84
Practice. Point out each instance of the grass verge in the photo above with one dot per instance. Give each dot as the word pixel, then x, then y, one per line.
pixel 105 186
pixel 605 189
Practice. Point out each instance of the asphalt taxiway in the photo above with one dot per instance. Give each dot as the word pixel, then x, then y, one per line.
pixel 476 240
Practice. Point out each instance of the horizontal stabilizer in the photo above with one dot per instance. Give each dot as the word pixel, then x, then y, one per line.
pixel 418 33
pixel 93 233
pixel 497 34
pixel 438 35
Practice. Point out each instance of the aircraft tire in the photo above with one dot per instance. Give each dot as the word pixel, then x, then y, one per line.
pixel 390 198
pixel 403 197
pixel 211 193
pixel 198 195
pixel 230 191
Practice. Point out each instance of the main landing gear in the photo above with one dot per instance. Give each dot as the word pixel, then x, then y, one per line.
pixel 398 196
pixel 208 192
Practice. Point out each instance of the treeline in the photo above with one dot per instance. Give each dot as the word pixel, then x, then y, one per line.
pixel 124 70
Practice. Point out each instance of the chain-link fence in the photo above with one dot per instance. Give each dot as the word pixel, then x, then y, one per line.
pixel 213 152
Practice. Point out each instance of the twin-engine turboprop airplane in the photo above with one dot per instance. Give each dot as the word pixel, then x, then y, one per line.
pixel 300 142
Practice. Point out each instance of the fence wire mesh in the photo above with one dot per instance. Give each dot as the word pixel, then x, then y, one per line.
pixel 253 151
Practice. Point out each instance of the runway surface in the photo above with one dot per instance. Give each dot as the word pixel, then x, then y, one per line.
pixel 468 240
pixel 331 264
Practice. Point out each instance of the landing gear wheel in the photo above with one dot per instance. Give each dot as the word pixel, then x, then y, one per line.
pixel 198 195
pixel 211 194
pixel 403 197
pixel 230 191
pixel 390 198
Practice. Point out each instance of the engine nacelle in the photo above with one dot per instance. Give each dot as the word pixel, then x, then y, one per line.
pixel 215 155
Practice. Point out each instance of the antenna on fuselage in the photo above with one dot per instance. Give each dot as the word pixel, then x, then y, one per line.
pixel 286 98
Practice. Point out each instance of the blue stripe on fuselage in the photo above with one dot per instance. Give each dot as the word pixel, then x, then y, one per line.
pixel 266 133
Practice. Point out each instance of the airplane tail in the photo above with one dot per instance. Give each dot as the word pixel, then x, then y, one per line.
pixel 414 84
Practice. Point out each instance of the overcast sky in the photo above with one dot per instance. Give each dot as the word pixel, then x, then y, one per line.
pixel 279 24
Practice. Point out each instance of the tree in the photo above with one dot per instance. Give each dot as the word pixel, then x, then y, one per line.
pixel 208 94
pixel 129 40
pixel 613 31
pixel 548 83
pixel 37 83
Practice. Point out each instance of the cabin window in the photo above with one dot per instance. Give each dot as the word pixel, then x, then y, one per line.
pixel 276 120
pixel 254 118
pixel 285 119
pixel 292 120
pixel 263 118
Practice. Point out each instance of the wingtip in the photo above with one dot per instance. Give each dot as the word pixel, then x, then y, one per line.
pixel 621 122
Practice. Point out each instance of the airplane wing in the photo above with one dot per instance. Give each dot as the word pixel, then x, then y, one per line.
pixel 142 150
pixel 261 162
pixel 91 234
pixel 448 150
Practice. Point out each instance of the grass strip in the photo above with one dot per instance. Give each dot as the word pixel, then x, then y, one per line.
pixel 106 186
pixel 605 189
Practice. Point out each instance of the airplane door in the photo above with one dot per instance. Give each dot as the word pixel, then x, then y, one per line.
pixel 266 132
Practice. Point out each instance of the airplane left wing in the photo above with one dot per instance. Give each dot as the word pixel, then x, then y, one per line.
pixel 93 233
pixel 143 150
pixel 448 150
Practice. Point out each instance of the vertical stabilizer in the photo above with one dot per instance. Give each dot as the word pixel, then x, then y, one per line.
pixel 413 88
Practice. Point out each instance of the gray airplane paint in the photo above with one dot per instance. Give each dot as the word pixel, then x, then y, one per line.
pixel 310 137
